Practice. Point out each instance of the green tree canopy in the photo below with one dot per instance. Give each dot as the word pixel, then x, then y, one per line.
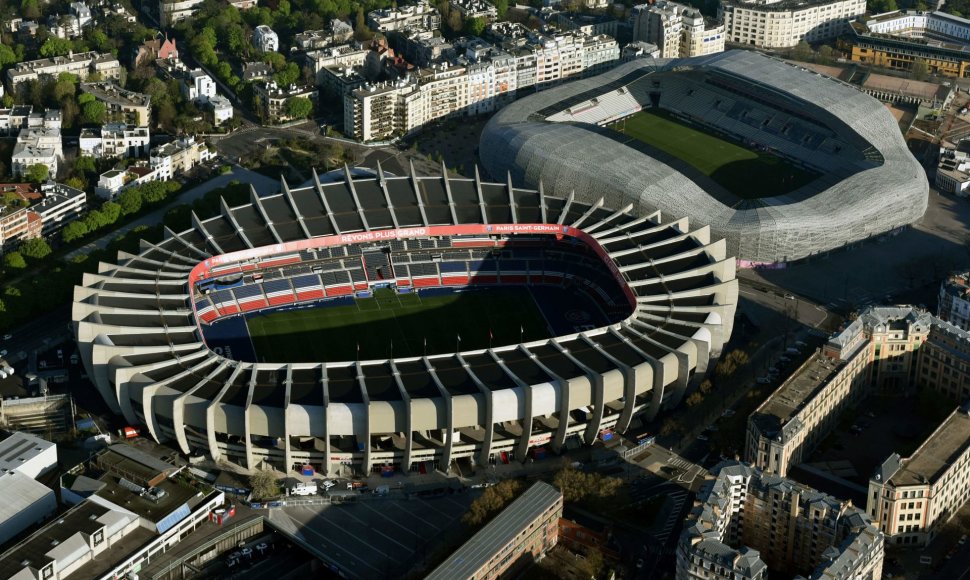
pixel 74 231
pixel 14 260
pixel 37 173
pixel 36 248
pixel 289 75
pixel 54 46
pixel 298 107
pixel 93 113
pixel 130 201
pixel 7 55
pixel 475 26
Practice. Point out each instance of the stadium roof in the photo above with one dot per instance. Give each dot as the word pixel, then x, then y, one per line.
pixel 869 184
pixel 469 559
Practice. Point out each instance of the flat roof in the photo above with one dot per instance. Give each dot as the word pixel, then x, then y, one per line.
pixel 937 453
pixel 477 551
pixel 799 388
pixel 905 87
pixel 19 493
pixel 19 448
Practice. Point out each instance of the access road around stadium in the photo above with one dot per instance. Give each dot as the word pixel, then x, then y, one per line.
pixel 879 270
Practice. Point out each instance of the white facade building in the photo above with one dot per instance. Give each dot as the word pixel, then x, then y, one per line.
pixel 177 157
pixel 785 23
pixel 677 30
pixel 23 458
pixel 37 146
pixel 221 109
pixel 60 206
pixel 115 140
pixel 265 39
pixel 198 86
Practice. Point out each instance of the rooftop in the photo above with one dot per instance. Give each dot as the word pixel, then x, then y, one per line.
pixel 21 447
pixel 937 453
pixel 112 93
pixel 19 492
pixel 477 551
pixel 905 87
pixel 796 392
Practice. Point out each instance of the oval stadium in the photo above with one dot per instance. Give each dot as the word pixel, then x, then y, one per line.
pixel 405 323
pixel 781 162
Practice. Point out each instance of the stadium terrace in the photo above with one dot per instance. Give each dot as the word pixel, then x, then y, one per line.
pixel 826 167
pixel 404 323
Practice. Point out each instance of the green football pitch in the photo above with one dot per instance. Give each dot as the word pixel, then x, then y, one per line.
pixel 398 325
pixel 745 173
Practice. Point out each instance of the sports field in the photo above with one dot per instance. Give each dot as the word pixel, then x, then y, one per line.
pixel 408 324
pixel 745 173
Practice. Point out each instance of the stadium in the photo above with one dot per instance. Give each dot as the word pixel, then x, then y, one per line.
pixel 781 162
pixel 405 323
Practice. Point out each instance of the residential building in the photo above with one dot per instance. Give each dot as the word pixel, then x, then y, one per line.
pixel 113 182
pixel 243 4
pixel 19 117
pixel 588 24
pixel 337 33
pixel 160 47
pixel 747 523
pixel 37 146
pixel 83 64
pixel 197 85
pixel 256 71
pixel 889 349
pixel 64 26
pixel 122 105
pixel 895 49
pixel 677 30
pixel 83 14
pixel 785 23
pixel 953 304
pixel 911 498
pixel 115 140
pixel 221 108
pixel 265 39
pixel 579 532
pixel 928 25
pixel 475 9
pixel 118 525
pixel 523 532
pixel 953 170
pixel 421 47
pixel 60 206
pixel 332 64
pixel 177 157
pixel 639 49
pixel 418 15
pixel 272 100
pixel 169 12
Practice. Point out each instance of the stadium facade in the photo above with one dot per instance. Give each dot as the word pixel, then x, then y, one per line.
pixel 141 324
pixel 869 183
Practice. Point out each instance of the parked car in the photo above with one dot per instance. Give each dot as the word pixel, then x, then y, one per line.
pixel 327 484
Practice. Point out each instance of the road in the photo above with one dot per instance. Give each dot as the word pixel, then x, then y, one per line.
pixel 263 185
pixel 39 334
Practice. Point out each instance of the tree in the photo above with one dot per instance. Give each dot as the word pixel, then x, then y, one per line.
pixel 361 31
pixel 502 7
pixel 263 485
pixel 475 26
pixel 76 183
pixel 130 201
pixel 55 46
pixel 669 426
pixel 802 51
pixel 454 21
pixel 37 173
pixel 825 54
pixel 592 564
pixel 111 212
pixel 694 399
pixel 30 9
pixel 298 107
pixel 93 113
pixel 920 70
pixel 493 500
pixel 36 248
pixel 7 55
pixel 14 260
pixel 577 485
pixel 85 164
pixel 85 98
pixel 64 89
pixel 74 231
pixel 289 75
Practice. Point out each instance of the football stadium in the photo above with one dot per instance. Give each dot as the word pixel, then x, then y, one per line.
pixel 781 162
pixel 405 323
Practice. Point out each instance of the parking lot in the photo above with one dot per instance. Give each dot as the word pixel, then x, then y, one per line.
pixel 380 538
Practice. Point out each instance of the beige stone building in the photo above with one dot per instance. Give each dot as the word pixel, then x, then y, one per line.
pixel 747 523
pixel 677 30
pixel 784 23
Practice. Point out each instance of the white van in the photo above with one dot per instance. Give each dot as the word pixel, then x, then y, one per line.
pixel 304 488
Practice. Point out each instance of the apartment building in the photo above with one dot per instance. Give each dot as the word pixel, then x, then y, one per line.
pixel 928 25
pixel 41 213
pixel 890 349
pixel 122 105
pixel 337 32
pixel 82 64
pixel 523 532
pixel 59 206
pixel 488 78
pixel 197 85
pixel 911 498
pixel 953 305
pixel 272 100
pixel 785 23
pixel 747 523
pixel 475 9
pixel 221 108
pixel 37 146
pixel 418 15
pixel 169 12
pixel 677 30
pixel 113 182
pixel 897 50
pixel 337 68
pixel 177 157
pixel 265 39
pixel 115 140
